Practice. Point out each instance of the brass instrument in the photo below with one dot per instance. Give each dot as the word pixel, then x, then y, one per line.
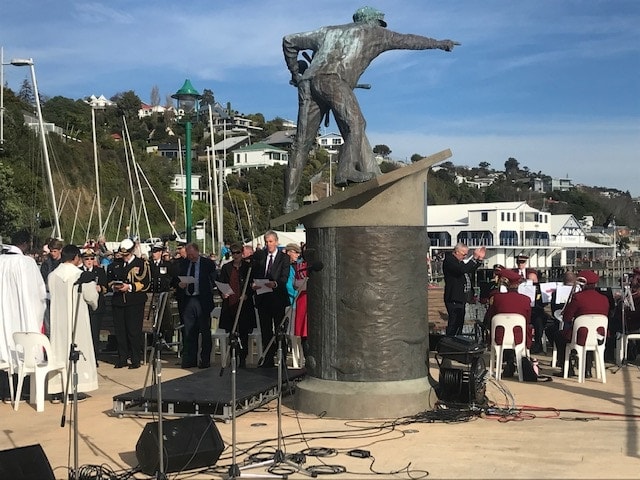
pixel 577 286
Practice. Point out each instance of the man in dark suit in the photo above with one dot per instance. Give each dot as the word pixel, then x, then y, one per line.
pixel 272 267
pixel 196 299
pixel 89 264
pixel 457 269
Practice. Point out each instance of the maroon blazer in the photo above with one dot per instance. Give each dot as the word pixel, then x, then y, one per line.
pixel 511 302
pixel 586 302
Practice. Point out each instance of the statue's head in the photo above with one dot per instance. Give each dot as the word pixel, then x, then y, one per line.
pixel 369 15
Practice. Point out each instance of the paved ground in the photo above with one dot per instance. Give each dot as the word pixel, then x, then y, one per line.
pixel 561 429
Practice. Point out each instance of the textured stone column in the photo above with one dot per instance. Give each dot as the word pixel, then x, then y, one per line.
pixel 368 329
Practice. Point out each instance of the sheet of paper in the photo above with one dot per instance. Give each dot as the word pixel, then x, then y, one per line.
pixel 562 293
pixel 546 290
pixel 224 288
pixel 187 279
pixel 262 287
pixel 529 291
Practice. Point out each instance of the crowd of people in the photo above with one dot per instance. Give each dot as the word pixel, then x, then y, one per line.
pixel 552 318
pixel 62 291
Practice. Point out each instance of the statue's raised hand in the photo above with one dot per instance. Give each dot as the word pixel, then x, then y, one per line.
pixel 447 45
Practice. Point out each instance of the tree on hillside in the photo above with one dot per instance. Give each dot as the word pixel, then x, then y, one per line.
pixel 207 98
pixel 511 167
pixel 154 98
pixel 26 93
pixel 383 150
pixel 10 211
pixel 128 103
pixel 416 157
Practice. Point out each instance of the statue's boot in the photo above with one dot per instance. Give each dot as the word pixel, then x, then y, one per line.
pixel 352 176
pixel 292 182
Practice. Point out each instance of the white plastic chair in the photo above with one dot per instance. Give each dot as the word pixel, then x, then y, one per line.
pixel 622 345
pixel 509 321
pixel 592 343
pixel 29 349
pixel 8 367
pixel 219 336
pixel 254 350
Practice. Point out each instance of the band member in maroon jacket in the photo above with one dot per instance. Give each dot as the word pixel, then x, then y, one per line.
pixel 586 302
pixel 510 302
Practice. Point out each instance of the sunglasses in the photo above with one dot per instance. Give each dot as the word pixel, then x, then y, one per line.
pixel 522 261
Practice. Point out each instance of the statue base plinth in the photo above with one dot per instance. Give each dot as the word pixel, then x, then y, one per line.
pixel 337 399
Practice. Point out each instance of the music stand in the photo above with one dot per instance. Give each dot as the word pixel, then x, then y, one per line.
pixel 156 355
pixel 626 300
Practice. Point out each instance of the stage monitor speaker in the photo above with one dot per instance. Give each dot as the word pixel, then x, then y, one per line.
pixel 25 463
pixel 190 442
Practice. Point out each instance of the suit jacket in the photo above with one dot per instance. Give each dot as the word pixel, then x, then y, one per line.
pixel 137 274
pixel 161 276
pixel 206 281
pixel 279 273
pixel 101 281
pixel 454 277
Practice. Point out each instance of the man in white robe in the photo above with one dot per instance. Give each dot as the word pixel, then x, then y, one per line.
pixel 65 301
pixel 22 297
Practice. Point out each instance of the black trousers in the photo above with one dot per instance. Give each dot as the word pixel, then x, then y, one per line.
pixel 127 321
pixel 271 315
pixel 197 323
pixel 455 311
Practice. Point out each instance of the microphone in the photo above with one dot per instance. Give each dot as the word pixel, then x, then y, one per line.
pixel 85 277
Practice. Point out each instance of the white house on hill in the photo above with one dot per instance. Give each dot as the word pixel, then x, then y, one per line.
pixel 258 155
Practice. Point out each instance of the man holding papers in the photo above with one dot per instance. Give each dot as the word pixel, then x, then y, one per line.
pixel 231 282
pixel 194 293
pixel 270 272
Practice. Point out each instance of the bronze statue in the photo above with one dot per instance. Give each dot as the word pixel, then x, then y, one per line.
pixel 340 54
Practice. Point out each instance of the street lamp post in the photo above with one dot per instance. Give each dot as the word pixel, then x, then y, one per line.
pixel 24 62
pixel 187 98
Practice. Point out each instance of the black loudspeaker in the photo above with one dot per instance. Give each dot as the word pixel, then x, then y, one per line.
pixel 190 442
pixel 25 463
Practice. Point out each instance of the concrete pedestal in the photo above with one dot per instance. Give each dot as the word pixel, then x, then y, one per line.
pixel 367 309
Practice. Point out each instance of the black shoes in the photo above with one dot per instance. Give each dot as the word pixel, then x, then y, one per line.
pixel 204 365
pixel 120 365
pixel 509 370
pixel 133 366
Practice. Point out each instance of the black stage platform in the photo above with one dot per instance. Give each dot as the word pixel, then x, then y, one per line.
pixel 207 393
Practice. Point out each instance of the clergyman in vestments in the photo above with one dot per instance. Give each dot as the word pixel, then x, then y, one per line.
pixel 68 306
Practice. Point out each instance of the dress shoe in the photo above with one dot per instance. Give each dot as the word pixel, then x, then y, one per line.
pixel 509 370
pixel 189 365
pixel 535 348
pixel 133 366
pixel 572 373
pixel 120 365
pixel 204 365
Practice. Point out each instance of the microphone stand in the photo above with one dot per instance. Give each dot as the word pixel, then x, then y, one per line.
pixel 72 374
pixel 156 353
pixel 279 458
pixel 231 356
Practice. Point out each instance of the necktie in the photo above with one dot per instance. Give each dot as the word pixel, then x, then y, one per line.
pixel 270 263
pixel 191 288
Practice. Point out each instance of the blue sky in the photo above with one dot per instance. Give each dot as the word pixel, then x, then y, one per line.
pixel 554 84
